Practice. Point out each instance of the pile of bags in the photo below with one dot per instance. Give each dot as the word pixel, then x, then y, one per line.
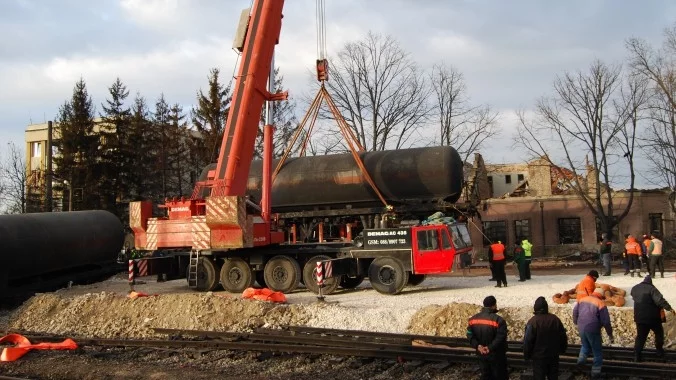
pixel 264 294
pixel 613 296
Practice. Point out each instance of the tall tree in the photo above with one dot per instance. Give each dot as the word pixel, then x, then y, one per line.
pixel 160 137
pixel 591 121
pixel 116 150
pixel 14 196
pixel 380 92
pixel 78 159
pixel 461 125
pixel 658 66
pixel 209 119
pixel 178 152
pixel 142 151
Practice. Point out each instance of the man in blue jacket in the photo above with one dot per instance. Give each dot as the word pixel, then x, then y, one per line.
pixel 648 301
pixel 590 315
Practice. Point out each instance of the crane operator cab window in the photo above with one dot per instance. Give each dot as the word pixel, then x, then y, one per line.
pixel 428 240
pixel 460 235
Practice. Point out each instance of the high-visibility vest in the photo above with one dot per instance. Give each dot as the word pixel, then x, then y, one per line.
pixel 632 247
pixel 527 248
pixel 498 251
pixel 657 247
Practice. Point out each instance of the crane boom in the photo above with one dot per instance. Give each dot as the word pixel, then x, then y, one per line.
pixel 241 129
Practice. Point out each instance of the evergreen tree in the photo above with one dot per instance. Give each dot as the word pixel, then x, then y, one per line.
pixel 142 150
pixel 178 152
pixel 78 159
pixel 160 140
pixel 209 119
pixel 116 151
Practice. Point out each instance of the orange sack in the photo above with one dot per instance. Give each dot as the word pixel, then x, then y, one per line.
pixel 264 294
pixel 23 345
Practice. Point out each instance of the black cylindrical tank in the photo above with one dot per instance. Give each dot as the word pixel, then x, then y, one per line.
pixel 42 243
pixel 417 174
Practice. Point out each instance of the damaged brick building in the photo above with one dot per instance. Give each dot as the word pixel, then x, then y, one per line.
pixel 535 201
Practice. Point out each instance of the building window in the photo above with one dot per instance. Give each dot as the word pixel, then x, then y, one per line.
pixel 35 149
pixel 570 231
pixel 519 177
pixel 521 230
pixel 508 178
pixel 494 231
pixel 655 223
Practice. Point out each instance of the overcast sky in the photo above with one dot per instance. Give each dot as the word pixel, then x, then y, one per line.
pixel 509 51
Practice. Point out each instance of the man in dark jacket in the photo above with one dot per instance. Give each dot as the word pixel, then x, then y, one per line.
pixel 605 252
pixel 487 334
pixel 520 260
pixel 647 304
pixel 544 340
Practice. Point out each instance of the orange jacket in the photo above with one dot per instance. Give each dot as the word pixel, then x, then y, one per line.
pixel 632 247
pixel 498 251
pixel 585 288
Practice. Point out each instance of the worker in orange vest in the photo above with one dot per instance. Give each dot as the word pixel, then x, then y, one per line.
pixel 633 249
pixel 498 250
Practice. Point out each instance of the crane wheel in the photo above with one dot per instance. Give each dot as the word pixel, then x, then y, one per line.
pixel 282 274
pixel 310 277
pixel 387 275
pixel 415 279
pixel 351 282
pixel 207 280
pixel 236 275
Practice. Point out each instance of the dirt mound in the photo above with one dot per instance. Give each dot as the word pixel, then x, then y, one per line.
pixel 112 315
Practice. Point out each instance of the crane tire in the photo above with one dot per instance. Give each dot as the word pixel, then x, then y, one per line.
pixel 282 274
pixel 236 275
pixel 387 275
pixel 310 277
pixel 207 278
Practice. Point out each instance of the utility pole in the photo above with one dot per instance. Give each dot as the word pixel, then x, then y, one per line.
pixel 48 176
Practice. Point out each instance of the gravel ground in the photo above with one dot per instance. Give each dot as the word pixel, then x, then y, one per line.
pixel 440 306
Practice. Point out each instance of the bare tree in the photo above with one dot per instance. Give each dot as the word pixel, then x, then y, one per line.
pixel 591 121
pixel 461 125
pixel 659 144
pixel 13 181
pixel 380 91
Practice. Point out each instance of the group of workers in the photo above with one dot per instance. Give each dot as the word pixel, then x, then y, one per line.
pixel 546 338
pixel 635 254
pixel 497 258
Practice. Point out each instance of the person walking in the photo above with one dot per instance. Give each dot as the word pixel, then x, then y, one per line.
pixel 590 315
pixel 604 252
pixel 644 252
pixel 520 260
pixel 625 259
pixel 587 286
pixel 487 334
pixel 633 250
pixel 499 263
pixel 648 303
pixel 545 339
pixel 528 249
pixel 655 253
pixel 490 263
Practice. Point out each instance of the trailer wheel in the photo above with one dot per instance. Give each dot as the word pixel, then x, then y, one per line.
pixel 236 275
pixel 387 275
pixel 260 278
pixel 415 279
pixel 282 274
pixel 310 277
pixel 207 280
pixel 351 282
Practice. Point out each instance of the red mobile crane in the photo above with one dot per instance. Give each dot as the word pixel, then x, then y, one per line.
pixel 225 238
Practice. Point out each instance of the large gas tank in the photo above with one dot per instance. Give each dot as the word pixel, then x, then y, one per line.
pixel 41 243
pixel 417 174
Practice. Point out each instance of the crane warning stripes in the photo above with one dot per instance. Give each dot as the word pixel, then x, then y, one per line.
pixel 201 234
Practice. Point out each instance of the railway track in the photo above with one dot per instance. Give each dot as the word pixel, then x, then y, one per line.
pixel 415 349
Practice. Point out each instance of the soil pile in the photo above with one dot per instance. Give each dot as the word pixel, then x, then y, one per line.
pixel 110 315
